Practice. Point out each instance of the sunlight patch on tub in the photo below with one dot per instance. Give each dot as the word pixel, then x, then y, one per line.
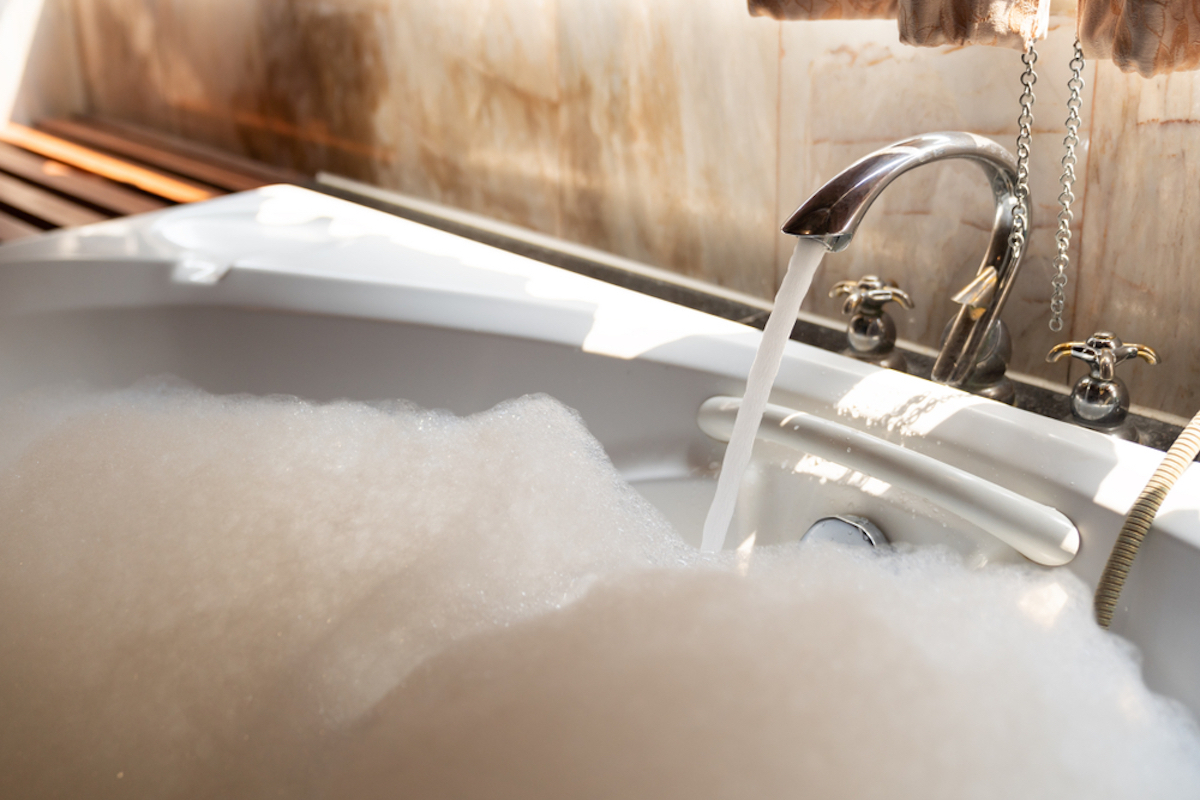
pixel 1121 486
pixel 624 325
pixel 826 471
pixel 627 327
pixel 305 215
pixel 286 207
pixel 904 405
pixel 745 551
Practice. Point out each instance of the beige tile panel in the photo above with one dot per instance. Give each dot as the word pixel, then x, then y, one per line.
pixel 1142 224
pixel 290 83
pixel 646 129
pixel 453 101
pixel 309 81
pixel 669 135
pixel 470 113
pixel 149 61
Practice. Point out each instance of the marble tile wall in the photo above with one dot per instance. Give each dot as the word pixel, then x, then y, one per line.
pixel 682 132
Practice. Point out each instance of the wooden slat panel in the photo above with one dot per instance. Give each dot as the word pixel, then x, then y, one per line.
pixel 179 164
pixel 12 228
pixel 68 180
pixel 44 205
pixel 267 173
pixel 148 180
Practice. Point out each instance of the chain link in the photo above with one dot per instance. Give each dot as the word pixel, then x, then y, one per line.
pixel 1024 138
pixel 1058 298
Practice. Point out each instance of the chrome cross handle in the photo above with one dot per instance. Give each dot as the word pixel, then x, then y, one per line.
pixel 1100 400
pixel 869 294
pixel 871 333
pixel 1102 352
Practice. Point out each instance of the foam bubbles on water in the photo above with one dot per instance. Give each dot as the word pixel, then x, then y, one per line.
pixel 186 575
pixel 242 597
pixel 822 673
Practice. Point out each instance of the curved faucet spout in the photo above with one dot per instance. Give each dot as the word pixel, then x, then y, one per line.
pixel 833 213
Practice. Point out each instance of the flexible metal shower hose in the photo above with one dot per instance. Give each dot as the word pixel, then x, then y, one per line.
pixel 1141 516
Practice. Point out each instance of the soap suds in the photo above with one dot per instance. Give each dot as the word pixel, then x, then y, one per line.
pixel 241 597
pixel 823 673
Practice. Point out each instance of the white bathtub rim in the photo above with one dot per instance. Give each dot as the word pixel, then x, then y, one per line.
pixel 135 263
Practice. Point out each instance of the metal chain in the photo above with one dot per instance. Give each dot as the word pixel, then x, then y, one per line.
pixel 1024 138
pixel 1058 298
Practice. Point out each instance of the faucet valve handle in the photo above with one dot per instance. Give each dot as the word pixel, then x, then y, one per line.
pixel 1100 399
pixel 868 295
pixel 871 333
pixel 1102 352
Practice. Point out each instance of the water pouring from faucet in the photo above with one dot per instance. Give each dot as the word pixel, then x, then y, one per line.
pixel 796 281
pixel 830 218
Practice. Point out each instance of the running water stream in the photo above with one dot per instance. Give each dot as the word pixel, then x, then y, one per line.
pixel 803 265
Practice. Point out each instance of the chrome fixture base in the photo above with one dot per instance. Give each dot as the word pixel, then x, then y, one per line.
pixel 988 378
pixel 846 529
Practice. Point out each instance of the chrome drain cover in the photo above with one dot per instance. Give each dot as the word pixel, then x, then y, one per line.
pixel 846 529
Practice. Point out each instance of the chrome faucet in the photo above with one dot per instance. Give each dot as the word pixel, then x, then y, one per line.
pixel 833 214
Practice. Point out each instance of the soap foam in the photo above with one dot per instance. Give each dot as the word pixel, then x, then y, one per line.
pixel 822 673
pixel 186 575
pixel 241 597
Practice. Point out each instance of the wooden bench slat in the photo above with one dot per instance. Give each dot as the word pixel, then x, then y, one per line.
pixel 45 205
pixel 61 177
pixel 152 181
pixel 267 173
pixel 123 146
pixel 12 228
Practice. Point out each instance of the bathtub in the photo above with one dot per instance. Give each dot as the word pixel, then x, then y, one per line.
pixel 286 290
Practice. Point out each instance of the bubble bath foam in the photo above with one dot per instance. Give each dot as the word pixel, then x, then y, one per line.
pixel 245 597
